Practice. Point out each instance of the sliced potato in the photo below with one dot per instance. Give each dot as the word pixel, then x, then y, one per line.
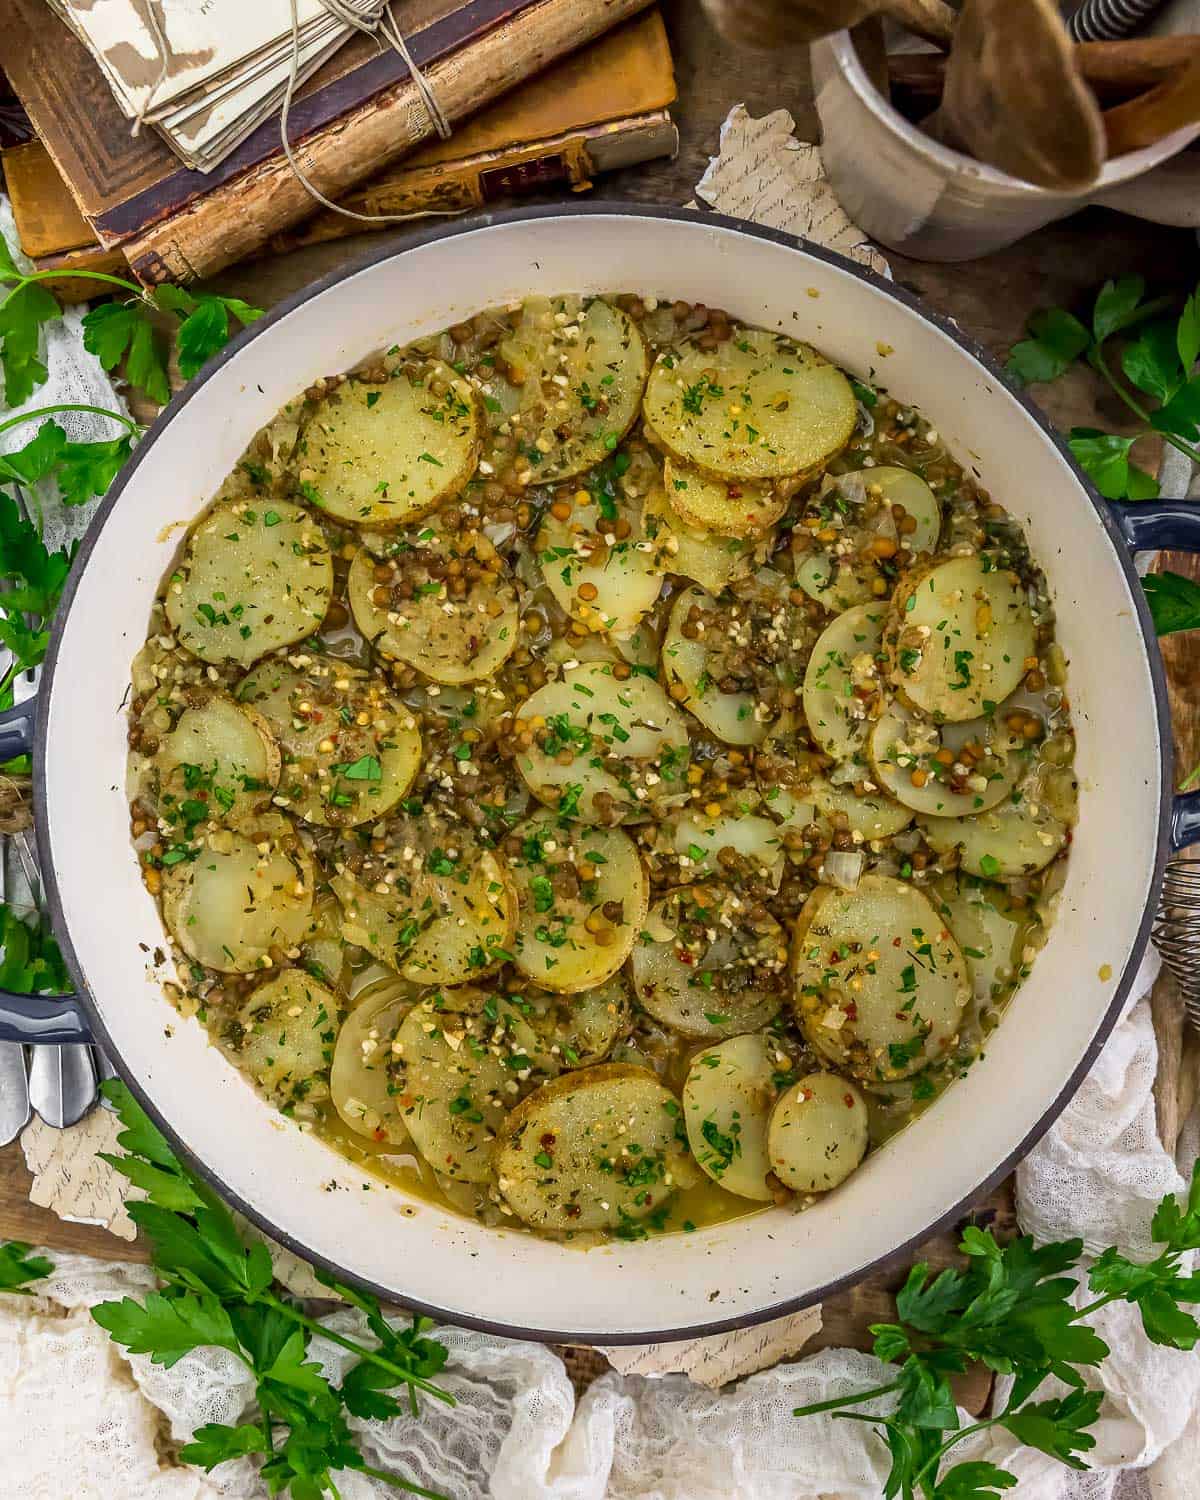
pixel 404 608
pixel 582 894
pixel 612 751
pixel 705 843
pixel 605 585
pixel 818 1133
pixel 881 983
pixel 350 750
pixel 322 948
pixel 709 559
pixel 724 507
pixel 592 1150
pixel 445 922
pixel 880 519
pixel 727 1102
pixel 707 966
pixel 843 680
pixel 286 1031
pixel 382 454
pixel 241 892
pixel 989 932
pixel 757 407
pixel 729 661
pixel 253 578
pixel 575 1031
pixel 367 1077
pixel 220 754
pixel 1015 838
pixel 837 583
pixel 595 362
pixel 904 752
pixel 959 635
pixel 833 806
pixel 450 1082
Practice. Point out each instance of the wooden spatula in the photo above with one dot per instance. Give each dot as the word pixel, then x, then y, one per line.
pixel 766 24
pixel 1167 68
pixel 1147 86
pixel 1014 96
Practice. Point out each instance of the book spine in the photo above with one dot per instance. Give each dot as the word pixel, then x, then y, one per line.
pixel 235 220
pixel 453 188
pixel 567 160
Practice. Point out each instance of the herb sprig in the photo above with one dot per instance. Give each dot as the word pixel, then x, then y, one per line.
pixel 1011 1309
pixel 218 1292
pixel 1157 360
pixel 126 329
pixel 129 330
pixel 31 963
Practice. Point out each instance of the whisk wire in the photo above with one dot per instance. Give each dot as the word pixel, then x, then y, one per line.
pixel 1176 930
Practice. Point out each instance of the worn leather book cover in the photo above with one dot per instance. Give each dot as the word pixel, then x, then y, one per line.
pixel 601 108
pixel 239 217
pixel 123 183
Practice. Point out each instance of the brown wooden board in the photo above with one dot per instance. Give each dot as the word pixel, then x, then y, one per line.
pixel 991 298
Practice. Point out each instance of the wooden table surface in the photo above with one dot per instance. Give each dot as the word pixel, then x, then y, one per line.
pixel 991 299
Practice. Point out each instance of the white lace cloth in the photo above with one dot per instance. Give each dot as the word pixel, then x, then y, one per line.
pixel 80 1420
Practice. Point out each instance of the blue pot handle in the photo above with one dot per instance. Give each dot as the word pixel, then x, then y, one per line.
pixel 49 1019
pixel 1165 526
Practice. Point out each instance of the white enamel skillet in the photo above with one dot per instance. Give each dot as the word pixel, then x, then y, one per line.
pixel 731 1274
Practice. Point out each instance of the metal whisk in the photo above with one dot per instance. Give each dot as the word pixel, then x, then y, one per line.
pixel 1177 930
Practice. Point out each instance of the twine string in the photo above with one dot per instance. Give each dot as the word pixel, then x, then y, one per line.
pixel 380 22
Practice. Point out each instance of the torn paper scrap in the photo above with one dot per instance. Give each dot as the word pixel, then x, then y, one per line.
pixel 764 174
pixel 722 1357
pixel 70 1178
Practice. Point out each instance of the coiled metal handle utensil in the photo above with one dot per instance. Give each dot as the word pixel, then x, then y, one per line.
pixel 1109 20
pixel 1176 930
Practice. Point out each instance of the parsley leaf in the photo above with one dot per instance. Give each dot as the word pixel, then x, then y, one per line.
pixel 214 1444
pixel 976 1480
pixel 1104 457
pixel 1056 339
pixel 114 331
pixel 22 314
pixel 31 962
pixel 1174 602
pixel 167 1328
pixel 205 326
pixel 17 1267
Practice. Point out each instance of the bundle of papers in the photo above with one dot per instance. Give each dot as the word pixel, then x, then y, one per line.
pixel 227 62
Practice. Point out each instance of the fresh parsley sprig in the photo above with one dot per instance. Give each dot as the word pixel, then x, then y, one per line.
pixel 126 329
pixel 18 1267
pixel 218 1292
pixel 1011 1309
pixel 1157 360
pixel 32 963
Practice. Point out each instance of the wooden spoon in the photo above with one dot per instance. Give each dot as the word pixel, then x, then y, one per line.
pixel 1014 96
pixel 1151 85
pixel 1167 105
pixel 767 24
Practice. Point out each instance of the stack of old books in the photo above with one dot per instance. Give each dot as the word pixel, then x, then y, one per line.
pixel 540 93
